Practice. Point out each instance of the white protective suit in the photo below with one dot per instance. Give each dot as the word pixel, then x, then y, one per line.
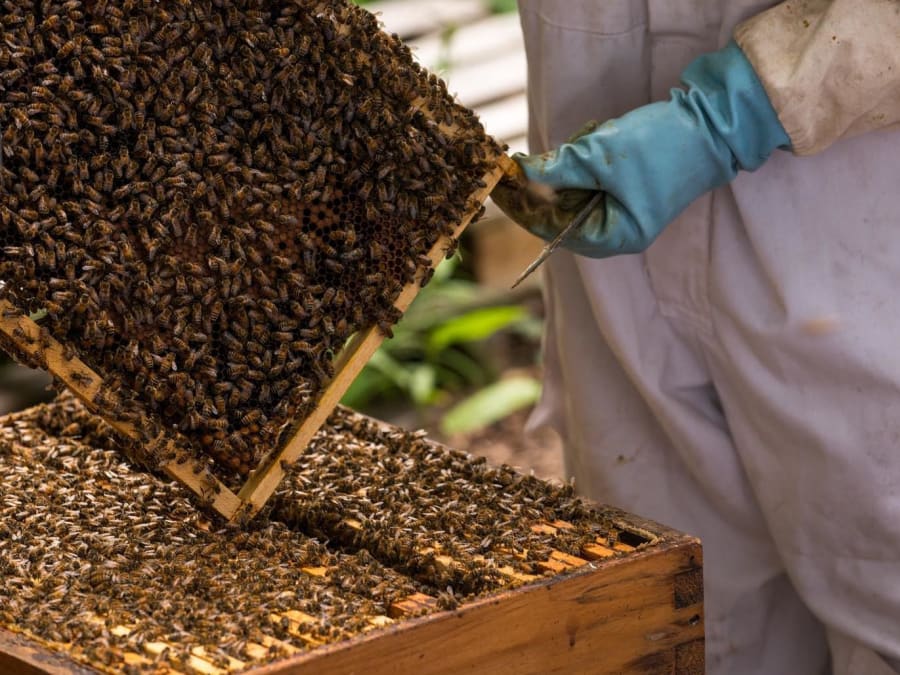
pixel 740 380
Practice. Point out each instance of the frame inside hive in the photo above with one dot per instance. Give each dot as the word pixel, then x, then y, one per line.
pixel 35 346
pixel 598 576
pixel 25 336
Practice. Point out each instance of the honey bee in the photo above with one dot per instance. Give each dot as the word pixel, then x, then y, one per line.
pixel 251 417
pixel 450 248
pixel 82 305
pixel 427 275
pixel 304 42
pixel 81 379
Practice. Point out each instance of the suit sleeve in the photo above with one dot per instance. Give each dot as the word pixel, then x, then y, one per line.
pixel 831 68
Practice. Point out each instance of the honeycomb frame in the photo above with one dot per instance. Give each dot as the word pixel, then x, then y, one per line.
pixel 23 336
pixel 155 436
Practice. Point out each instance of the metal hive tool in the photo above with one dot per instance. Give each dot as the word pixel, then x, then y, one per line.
pixel 212 212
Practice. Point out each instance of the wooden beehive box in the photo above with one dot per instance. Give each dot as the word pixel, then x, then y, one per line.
pixel 215 211
pixel 385 554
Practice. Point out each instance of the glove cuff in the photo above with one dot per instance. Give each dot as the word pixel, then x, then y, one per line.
pixel 724 88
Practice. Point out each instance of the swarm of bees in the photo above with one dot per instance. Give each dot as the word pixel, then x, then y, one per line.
pixel 207 198
pixel 89 545
pixel 361 484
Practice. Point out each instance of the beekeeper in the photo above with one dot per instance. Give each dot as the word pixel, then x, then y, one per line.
pixel 738 377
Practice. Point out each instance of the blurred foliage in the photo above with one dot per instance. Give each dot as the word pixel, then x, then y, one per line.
pixel 442 348
pixel 490 405
pixel 502 6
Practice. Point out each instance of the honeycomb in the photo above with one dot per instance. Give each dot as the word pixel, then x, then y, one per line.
pixel 205 199
pixel 89 544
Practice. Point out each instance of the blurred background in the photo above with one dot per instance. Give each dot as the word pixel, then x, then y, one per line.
pixel 464 363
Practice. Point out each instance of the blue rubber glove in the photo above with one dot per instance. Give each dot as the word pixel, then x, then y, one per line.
pixel 652 162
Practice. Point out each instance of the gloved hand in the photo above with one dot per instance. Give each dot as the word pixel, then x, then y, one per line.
pixel 652 162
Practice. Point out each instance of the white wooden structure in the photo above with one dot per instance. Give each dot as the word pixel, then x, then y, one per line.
pixel 481 56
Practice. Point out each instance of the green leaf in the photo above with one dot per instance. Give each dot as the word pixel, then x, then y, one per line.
pixel 448 379
pixel 423 383
pixel 368 385
pixel 473 326
pixel 531 328
pixel 404 345
pixel 445 270
pixel 392 369
pixel 470 369
pixel 438 303
pixel 502 6
pixel 490 405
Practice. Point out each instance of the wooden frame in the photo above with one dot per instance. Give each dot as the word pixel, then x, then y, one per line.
pixel 263 482
pixel 25 336
pixel 605 617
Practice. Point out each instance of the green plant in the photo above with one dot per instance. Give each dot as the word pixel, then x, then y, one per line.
pixel 502 6
pixel 439 348
pixel 490 405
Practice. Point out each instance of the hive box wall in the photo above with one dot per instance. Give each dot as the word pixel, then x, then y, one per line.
pixel 544 582
pixel 619 616
pixel 623 615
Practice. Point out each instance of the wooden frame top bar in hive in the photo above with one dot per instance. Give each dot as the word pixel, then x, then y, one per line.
pixel 201 202
pixel 382 553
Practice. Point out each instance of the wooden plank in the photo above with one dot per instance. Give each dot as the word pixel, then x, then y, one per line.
pixel 477 84
pixel 413 604
pixel 615 622
pixel 596 552
pixel 562 525
pixel 543 528
pixel 256 651
pixel 86 384
pixel 200 660
pixel 200 480
pixel 274 643
pixel 411 18
pixel 315 571
pixel 448 563
pixel 263 482
pixel 233 663
pixel 568 559
pixel 294 627
pixel 49 352
pixel 560 562
pixel 20 655
pixel 477 42
pixel 194 662
pixel 299 617
pixel 507 118
pixel 515 575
